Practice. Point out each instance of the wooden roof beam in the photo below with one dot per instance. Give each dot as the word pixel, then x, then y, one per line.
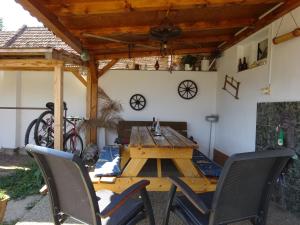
pixel 186 27
pixel 80 8
pixel 76 73
pixel 107 67
pixel 120 55
pixel 283 9
pixel 49 20
pixel 190 40
pixel 18 64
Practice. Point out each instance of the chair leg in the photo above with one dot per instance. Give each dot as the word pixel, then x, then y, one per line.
pixel 148 206
pixel 169 204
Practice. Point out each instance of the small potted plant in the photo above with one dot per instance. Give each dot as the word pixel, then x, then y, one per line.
pixel 3 202
pixel 188 61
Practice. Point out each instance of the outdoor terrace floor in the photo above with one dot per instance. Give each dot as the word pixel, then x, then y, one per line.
pixel 40 214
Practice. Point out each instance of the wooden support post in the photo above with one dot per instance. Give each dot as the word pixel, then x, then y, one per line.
pixel 92 100
pixel 58 106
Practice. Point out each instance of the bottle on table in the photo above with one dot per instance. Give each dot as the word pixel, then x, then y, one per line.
pixel 153 124
pixel 157 131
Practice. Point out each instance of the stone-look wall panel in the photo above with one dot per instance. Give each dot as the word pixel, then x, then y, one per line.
pixel 269 116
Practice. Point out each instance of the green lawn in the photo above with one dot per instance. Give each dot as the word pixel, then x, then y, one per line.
pixel 22 182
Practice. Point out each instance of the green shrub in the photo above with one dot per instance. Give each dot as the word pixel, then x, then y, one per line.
pixel 22 183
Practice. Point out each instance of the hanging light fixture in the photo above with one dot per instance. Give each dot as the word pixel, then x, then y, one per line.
pixel 163 33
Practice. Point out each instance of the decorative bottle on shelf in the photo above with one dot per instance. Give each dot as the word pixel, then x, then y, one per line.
pixel 280 132
pixel 153 124
pixel 240 66
pixel 245 65
pixel 156 65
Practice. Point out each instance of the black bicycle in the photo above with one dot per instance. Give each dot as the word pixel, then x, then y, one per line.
pixel 41 131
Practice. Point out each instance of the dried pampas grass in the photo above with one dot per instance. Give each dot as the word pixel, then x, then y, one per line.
pixel 108 113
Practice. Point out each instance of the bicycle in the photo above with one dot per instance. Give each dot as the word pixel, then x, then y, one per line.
pixel 44 126
pixel 72 141
pixel 41 131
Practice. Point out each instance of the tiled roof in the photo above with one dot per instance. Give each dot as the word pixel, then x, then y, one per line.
pixel 41 37
pixel 32 37
pixel 5 36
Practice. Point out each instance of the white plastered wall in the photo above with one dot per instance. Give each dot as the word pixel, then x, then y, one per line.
pixel 33 89
pixel 236 129
pixel 163 101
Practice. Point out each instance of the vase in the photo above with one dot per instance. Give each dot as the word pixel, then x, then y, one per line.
pixel 187 67
pixel 3 204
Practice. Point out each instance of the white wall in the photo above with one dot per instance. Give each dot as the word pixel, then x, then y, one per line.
pixel 236 130
pixel 33 89
pixel 163 101
pixel 8 97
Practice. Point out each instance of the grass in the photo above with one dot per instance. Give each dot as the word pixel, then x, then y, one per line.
pixel 9 223
pixel 22 183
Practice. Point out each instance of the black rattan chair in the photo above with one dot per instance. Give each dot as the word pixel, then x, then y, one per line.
pixel 243 191
pixel 72 194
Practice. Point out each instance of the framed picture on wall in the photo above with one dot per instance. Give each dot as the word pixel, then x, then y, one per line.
pixel 262 50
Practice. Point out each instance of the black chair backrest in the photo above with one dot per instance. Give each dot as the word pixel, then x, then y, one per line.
pixel 70 188
pixel 245 185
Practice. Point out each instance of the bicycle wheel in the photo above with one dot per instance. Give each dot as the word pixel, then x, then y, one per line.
pixel 29 134
pixel 73 143
pixel 44 130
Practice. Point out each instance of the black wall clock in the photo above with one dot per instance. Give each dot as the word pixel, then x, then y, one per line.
pixel 187 89
pixel 137 102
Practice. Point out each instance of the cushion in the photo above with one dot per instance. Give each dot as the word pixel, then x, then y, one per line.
pixel 108 163
pixel 123 214
pixel 205 165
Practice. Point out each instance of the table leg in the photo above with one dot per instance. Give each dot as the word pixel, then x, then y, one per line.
pixel 133 168
pixel 159 172
pixel 186 167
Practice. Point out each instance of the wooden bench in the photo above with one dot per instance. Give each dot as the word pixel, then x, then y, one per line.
pixel 124 128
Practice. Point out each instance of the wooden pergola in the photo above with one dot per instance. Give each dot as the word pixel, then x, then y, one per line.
pixel 89 26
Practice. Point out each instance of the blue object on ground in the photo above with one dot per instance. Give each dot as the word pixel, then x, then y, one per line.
pixel 205 165
pixel 108 163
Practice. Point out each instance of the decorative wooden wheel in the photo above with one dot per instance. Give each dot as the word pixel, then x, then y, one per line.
pixel 137 102
pixel 187 89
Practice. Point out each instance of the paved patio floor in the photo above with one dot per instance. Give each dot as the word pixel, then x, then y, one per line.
pixel 40 214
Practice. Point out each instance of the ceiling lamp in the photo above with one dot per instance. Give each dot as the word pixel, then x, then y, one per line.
pixel 163 33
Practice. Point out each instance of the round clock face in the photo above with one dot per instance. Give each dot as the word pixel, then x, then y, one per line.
pixel 187 89
pixel 137 102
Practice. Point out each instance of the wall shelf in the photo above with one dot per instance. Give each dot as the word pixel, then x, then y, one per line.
pixel 255 49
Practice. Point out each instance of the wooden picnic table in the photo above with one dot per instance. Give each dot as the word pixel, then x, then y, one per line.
pixel 144 145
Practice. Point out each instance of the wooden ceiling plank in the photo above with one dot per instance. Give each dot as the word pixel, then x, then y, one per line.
pixel 107 67
pixel 49 20
pixel 286 7
pixel 80 8
pixel 120 55
pixel 186 27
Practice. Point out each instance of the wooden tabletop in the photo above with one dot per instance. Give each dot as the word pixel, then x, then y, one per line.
pixel 143 137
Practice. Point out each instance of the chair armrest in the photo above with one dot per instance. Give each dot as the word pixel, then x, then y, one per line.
pixel 190 195
pixel 119 200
